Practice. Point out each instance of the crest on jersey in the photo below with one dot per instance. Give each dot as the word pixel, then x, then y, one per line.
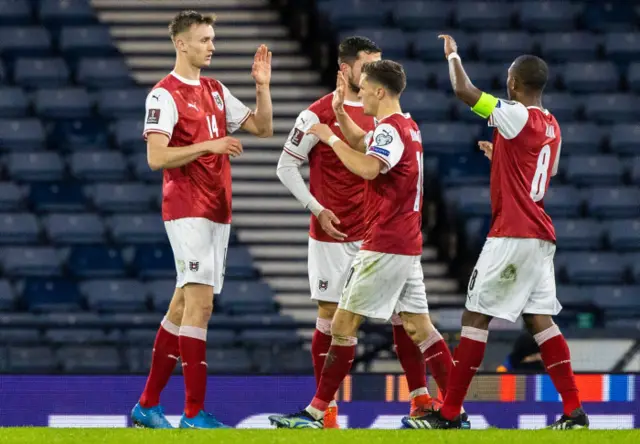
pixel 384 138
pixel 509 273
pixel 153 117
pixel 218 100
pixel 323 285
pixel 194 265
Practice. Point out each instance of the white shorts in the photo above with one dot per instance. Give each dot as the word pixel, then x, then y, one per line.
pixel 329 264
pixel 514 276
pixel 381 284
pixel 200 251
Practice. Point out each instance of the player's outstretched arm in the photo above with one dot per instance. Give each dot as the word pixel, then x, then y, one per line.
pixel 350 130
pixel 260 122
pixel 161 156
pixel 462 85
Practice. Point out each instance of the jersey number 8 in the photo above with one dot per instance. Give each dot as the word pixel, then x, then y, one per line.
pixel 539 183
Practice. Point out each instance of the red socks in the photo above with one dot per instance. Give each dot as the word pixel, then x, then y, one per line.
pixel 557 360
pixel 165 356
pixel 336 368
pixel 193 348
pixel 438 357
pixel 320 344
pixel 468 357
pixel 409 356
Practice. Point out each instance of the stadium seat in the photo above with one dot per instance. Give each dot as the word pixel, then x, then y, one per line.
pixel 612 108
pixel 611 203
pixel 396 45
pixel 72 320
pixel 470 201
pixel 19 337
pixel 13 102
pixel 62 196
pixel 427 46
pixel 418 15
pixel 476 229
pixel 246 297
pixel 418 73
pixel 89 359
pixel 137 228
pixel 573 296
pixel 119 197
pixel 569 46
pixel 634 172
pixel 633 262
pixel 161 291
pixel 578 234
pixel 98 165
pixel 547 16
pixel 592 77
pixel 622 301
pixel 18 228
pixel 37 166
pixel 67 12
pixel 580 138
pixel 50 295
pixel 11 197
pixel 89 261
pixel 21 320
pixel 481 74
pixel 463 169
pixel 481 16
pixel 608 16
pixel 503 45
pixel 222 338
pixel 22 135
pixel 624 234
pixel 115 296
pixel 593 268
pixel 31 261
pixel 128 135
pixel 622 46
pixel 426 105
pixel 83 336
pixel 31 360
pixel 235 360
pixel 15 12
pixel 62 103
pixel 140 336
pixel 594 170
pixel 80 134
pixel 354 13
pixel 19 40
pixel 267 320
pixel 449 137
pixel 74 228
pixel 239 264
pixel 154 262
pixel 565 108
pixel 121 103
pixel 254 338
pixel 108 72
pixel 41 72
pixel 563 201
pixel 625 139
pixel 140 166
pixel 7 296
pixel 633 77
pixel 81 41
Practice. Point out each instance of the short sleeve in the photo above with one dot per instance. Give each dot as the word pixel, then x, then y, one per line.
pixel 386 145
pixel 236 111
pixel 161 113
pixel 509 118
pixel 299 143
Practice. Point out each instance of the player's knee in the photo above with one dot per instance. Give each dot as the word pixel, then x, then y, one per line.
pixel 537 323
pixel 345 324
pixel 198 304
pixel 476 320
pixel 327 310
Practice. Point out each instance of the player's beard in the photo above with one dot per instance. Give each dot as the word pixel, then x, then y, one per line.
pixel 353 86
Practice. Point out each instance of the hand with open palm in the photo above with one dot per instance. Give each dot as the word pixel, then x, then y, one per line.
pixel 261 69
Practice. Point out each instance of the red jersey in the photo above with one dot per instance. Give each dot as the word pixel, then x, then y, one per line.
pixel 189 112
pixel 526 152
pixel 393 206
pixel 330 182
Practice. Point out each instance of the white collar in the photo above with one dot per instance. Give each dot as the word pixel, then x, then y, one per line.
pixel 537 107
pixel 405 115
pixel 184 80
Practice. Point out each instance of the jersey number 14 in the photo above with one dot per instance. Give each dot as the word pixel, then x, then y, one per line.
pixel 539 182
pixel 213 126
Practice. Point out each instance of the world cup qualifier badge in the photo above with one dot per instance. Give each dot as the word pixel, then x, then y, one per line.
pixel 323 285
pixel 194 265
pixel 218 100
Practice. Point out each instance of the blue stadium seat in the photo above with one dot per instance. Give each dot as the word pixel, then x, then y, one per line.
pixel 633 77
pixel 264 320
pixel 622 301
pixel 80 134
pixel 115 296
pixel 18 228
pixel 396 45
pixel 417 15
pixel 109 72
pixel 63 103
pixel 15 12
pixel 161 291
pixel 13 102
pixel 74 228
pixel 547 16
pixel 574 296
pixel 563 106
pixel 463 169
pixel 622 46
pixel 98 165
pixel 36 166
pixel 80 41
pixel 242 297
pixel 140 166
pixel 594 170
pixel 624 234
pixel 89 359
pixel 625 138
pixel 476 229
pixel 425 105
pixel 137 228
pixel 140 336
pixel 67 12
pixel 633 262
pixel 593 268
pixel 449 137
pixel 79 336
pixel 283 361
pixel 121 103
pixel 21 320
pixel 591 77
pixel 128 135
pixel 239 264
pixel 609 16
pixel 482 15
pixel 154 262
pixel 614 202
pixel 64 196
pixel 470 201
pixel 612 108
pixel 481 74
pixel 31 261
pixel 31 360
pixel 88 261
pixel 581 138
pixel 20 337
pixel 503 45
pixel 578 234
pixel 634 172
pixel 563 201
pixel 120 197
pixel 11 196
pixel 269 338
pixel 417 73
pixel 81 319
pixel 22 134
pixel 20 40
pixel 41 72
pixel 234 360
pixel 7 296
pixel 51 295
pixel 427 46
pixel 354 13
pixel 222 338
pixel 569 46
pixel 138 359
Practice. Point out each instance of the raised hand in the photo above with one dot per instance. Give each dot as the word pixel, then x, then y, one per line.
pixel 261 69
pixel 486 148
pixel 321 131
pixel 327 218
pixel 226 145
pixel 450 45
pixel 338 98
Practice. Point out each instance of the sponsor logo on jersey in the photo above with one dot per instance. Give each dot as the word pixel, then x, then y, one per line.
pixel 218 100
pixel 194 265
pixel 379 150
pixel 153 117
pixel 192 105
pixel 296 136
pixel 384 138
pixel 323 285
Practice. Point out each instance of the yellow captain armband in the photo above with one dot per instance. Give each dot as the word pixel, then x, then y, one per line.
pixel 485 105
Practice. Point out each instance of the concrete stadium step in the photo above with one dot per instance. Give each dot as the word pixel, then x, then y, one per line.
pixel 240 78
pixel 220 62
pixel 273 220
pixel 279 252
pixel 151 16
pixel 228 32
pixel 223 47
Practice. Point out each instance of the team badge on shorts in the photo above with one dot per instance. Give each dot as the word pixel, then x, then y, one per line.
pixel 509 273
pixel 218 100
pixel 181 266
pixel 194 265
pixel 323 285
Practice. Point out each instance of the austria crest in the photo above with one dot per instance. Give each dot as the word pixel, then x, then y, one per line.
pixel 218 100
pixel 323 285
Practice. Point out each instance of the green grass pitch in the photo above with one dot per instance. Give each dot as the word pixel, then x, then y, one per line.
pixel 131 436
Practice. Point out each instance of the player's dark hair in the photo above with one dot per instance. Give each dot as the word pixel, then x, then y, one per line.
pixel 532 72
pixel 351 46
pixel 186 19
pixel 387 73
